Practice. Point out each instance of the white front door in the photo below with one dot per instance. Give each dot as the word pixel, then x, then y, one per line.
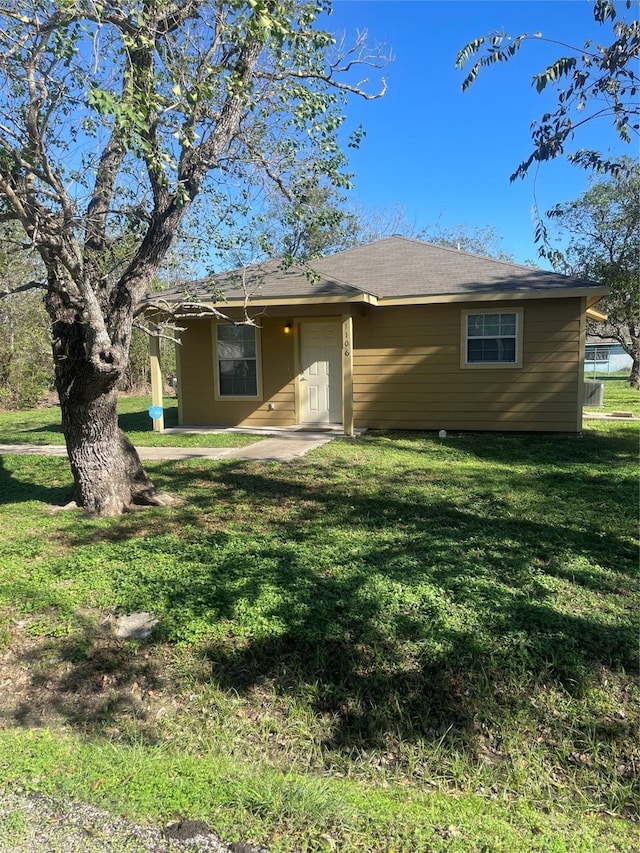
pixel 320 373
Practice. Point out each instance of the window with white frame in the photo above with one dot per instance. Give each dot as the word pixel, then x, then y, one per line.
pixel 491 338
pixel 237 360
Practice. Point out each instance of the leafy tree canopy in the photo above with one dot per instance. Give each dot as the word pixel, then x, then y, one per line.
pixel 593 82
pixel 120 121
pixel 603 227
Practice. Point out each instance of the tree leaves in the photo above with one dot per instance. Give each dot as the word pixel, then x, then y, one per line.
pixel 132 108
pixel 500 48
pixel 603 226
pixel 600 83
pixel 560 68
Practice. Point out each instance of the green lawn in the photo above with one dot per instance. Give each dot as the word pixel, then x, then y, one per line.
pixel 617 395
pixel 393 644
pixel 43 426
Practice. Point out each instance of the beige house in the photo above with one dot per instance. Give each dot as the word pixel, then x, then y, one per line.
pixel 397 334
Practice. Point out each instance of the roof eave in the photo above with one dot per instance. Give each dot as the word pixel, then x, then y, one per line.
pixel 593 294
pixel 263 301
pixel 496 296
pixel 597 316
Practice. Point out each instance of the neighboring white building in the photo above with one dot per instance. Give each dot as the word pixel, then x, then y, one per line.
pixel 605 355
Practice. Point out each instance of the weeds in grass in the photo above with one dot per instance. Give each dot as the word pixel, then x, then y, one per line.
pixel 14 827
pixel 396 643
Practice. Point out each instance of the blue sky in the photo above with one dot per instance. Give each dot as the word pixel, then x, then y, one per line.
pixel 443 155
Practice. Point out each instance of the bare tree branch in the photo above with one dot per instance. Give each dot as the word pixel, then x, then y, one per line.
pixel 22 288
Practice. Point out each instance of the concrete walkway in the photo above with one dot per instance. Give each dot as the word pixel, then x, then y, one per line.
pixel 610 416
pixel 280 448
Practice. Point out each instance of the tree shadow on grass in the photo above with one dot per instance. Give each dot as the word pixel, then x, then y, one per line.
pixel 88 679
pixel 620 443
pixel 141 422
pixel 17 483
pixel 128 422
pixel 53 427
pixel 399 618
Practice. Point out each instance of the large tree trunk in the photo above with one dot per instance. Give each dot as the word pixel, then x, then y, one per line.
pixel 107 472
pixel 106 468
pixel 634 379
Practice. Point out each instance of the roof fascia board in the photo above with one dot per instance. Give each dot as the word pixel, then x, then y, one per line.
pixel 597 316
pixel 593 294
pixel 494 296
pixel 282 300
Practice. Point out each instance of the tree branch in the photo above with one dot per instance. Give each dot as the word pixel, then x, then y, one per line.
pixel 22 288
pixel 104 185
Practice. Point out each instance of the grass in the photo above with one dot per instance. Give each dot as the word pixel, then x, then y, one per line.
pixel 392 644
pixel 618 396
pixel 43 426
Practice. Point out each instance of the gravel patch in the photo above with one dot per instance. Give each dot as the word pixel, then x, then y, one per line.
pixel 37 824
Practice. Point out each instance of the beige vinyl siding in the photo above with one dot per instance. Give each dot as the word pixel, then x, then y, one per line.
pixel 407 372
pixel 197 379
pixel 195 373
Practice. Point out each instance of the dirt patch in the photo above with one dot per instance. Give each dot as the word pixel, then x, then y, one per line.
pixel 97 682
pixel 88 678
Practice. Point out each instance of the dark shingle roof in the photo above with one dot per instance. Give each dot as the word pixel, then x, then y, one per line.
pixel 390 269
pixel 400 266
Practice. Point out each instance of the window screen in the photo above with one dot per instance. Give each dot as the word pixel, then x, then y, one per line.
pixel 491 338
pixel 237 360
